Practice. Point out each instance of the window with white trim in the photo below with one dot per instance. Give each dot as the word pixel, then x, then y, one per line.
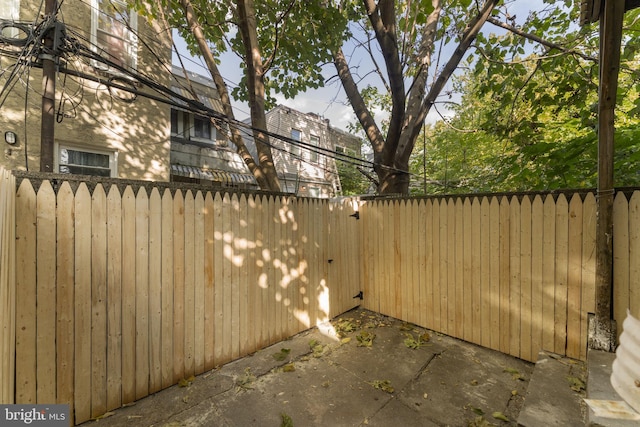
pixel 83 161
pixel 201 127
pixel 314 191
pixel 10 11
pixel 313 152
pixel 113 32
pixel 294 149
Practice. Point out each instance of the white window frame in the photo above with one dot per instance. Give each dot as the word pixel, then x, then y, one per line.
pixel 294 149
pixel 192 129
pixel 10 11
pixel 314 156
pixel 95 15
pixel 182 128
pixel 314 191
pixel 113 157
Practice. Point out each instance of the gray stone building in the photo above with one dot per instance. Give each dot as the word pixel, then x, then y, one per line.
pixel 200 151
pixel 305 157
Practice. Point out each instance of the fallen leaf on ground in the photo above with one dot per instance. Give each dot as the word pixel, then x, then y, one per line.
pixel 286 420
pixel 289 367
pixel 576 384
pixel 384 385
pixel 282 354
pixel 245 381
pixel 500 416
pixel 365 339
pixel 186 382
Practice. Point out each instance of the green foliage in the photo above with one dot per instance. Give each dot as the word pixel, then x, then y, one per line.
pixel 295 38
pixel 529 122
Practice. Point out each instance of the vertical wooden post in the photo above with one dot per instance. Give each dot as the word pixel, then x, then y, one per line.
pixel 602 330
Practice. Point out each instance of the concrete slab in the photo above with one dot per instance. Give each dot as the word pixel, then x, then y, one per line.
pixel 550 399
pixel 599 388
pixel 335 382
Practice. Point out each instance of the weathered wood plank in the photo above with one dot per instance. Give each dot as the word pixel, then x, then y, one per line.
pixel 505 275
pixel 209 277
pixel 114 298
pixel 189 285
pixel 451 268
pixel 494 272
pixel 98 301
pixel 65 266
pixel 548 273
pixel 167 245
pixel 621 259
pixel 588 268
pixel 526 350
pixel 26 232
pixel 459 267
pixel 468 278
pixel 128 296
pixel 227 284
pixel 537 290
pixel 46 293
pixel 82 293
pixel 142 293
pixel 199 285
pixel 574 277
pixel 515 283
pixel 178 286
pixel 218 282
pixel 485 273
pixel 562 248
pixel 443 280
pixel 634 255
pixel 155 291
pixel 476 297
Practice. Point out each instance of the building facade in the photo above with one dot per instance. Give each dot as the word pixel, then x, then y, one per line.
pixel 305 156
pixel 200 151
pixel 100 129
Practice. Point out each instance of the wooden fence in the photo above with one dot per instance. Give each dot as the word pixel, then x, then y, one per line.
pixel 511 273
pixel 123 292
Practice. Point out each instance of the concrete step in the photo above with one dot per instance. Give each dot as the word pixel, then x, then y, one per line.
pixel 599 389
pixel 555 394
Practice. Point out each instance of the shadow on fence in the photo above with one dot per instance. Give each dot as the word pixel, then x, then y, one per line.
pixel 123 291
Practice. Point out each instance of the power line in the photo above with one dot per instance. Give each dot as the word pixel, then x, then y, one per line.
pixel 167 96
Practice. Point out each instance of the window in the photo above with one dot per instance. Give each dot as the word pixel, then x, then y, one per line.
pixel 202 127
pixel 314 191
pixel 175 121
pixel 86 162
pixel 340 150
pixel 10 11
pixel 295 148
pixel 313 154
pixel 113 32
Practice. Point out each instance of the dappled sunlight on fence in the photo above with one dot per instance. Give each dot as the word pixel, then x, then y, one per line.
pixel 123 291
pixel 512 273
pixel 132 291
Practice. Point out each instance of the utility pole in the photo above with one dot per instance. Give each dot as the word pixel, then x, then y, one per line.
pixel 610 13
pixel 48 57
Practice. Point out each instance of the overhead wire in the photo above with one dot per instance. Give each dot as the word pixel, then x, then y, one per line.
pixel 168 96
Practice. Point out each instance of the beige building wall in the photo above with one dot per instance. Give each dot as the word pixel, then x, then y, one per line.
pixel 90 116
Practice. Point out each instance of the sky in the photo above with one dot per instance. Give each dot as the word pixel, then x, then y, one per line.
pixel 329 101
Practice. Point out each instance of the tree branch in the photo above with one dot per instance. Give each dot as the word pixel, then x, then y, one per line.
pixel 540 40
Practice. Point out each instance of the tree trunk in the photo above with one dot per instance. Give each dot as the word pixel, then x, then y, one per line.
pixel 255 83
pixel 236 137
